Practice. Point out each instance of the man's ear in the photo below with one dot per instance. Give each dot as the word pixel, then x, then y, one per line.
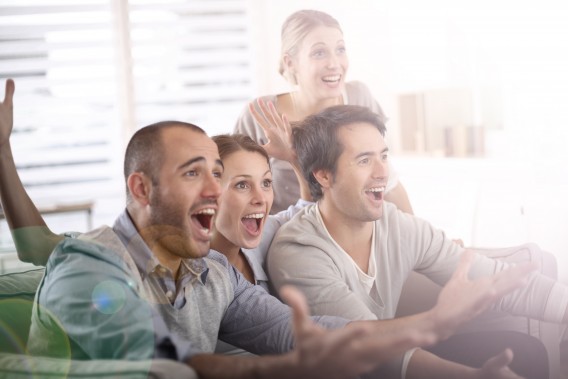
pixel 140 187
pixel 324 178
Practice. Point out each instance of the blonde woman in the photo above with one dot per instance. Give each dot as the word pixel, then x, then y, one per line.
pixel 314 61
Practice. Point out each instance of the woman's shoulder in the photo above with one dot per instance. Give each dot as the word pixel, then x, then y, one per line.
pixel 357 88
pixel 359 94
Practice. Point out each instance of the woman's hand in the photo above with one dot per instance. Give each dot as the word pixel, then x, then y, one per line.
pixel 276 128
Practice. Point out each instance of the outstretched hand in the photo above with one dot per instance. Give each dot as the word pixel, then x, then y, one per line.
pixel 345 352
pixel 497 367
pixel 462 299
pixel 277 129
pixel 7 113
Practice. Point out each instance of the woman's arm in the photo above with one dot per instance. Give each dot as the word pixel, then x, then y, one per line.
pixel 399 197
pixel 33 239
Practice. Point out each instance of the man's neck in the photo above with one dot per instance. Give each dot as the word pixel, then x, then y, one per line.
pixel 167 260
pixel 353 236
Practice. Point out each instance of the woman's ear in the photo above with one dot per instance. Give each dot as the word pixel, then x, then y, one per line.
pixel 289 64
pixel 140 187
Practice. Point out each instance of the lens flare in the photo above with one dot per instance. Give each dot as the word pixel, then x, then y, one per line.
pixel 108 297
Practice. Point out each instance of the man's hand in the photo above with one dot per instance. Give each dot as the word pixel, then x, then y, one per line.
pixel 498 367
pixel 462 299
pixel 7 113
pixel 346 352
pixel 276 128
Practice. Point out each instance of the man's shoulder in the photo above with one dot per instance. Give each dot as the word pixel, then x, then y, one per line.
pixel 304 220
pixel 90 252
pixel 303 231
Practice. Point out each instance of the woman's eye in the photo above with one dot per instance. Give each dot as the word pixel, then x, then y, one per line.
pixel 241 185
pixel 341 50
pixel 318 53
pixel 267 183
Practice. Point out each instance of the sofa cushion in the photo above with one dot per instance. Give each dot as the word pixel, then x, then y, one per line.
pixel 19 366
pixel 17 291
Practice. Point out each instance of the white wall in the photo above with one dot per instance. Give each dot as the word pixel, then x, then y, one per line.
pixel 512 55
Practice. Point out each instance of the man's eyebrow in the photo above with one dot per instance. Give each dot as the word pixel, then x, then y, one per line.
pixel 191 161
pixel 364 153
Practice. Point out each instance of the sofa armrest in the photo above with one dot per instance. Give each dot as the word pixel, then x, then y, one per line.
pixel 420 294
pixel 20 366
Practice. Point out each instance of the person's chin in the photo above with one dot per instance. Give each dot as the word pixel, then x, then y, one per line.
pixel 199 249
pixel 250 242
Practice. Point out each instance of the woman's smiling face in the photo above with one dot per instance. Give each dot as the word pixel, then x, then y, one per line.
pixel 321 63
pixel 246 198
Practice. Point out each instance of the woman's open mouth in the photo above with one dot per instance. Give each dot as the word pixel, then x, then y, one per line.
pixel 253 223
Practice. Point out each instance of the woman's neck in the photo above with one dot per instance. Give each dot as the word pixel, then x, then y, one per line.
pixel 225 247
pixel 234 255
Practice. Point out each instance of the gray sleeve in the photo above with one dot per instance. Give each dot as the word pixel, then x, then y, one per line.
pixel 258 322
pixel 542 298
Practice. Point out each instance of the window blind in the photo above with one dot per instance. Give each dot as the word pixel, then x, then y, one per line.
pixel 189 60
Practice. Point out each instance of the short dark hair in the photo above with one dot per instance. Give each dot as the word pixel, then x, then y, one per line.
pixel 144 152
pixel 316 142
pixel 231 143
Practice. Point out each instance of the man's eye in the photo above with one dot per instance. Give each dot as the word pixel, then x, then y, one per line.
pixel 217 174
pixel 385 157
pixel 364 161
pixel 191 173
pixel 341 50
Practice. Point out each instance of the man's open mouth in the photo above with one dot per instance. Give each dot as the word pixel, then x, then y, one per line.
pixel 376 192
pixel 204 218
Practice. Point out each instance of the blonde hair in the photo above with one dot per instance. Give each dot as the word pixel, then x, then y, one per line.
pixel 295 29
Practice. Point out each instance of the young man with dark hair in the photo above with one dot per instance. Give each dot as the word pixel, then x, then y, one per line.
pixel 351 252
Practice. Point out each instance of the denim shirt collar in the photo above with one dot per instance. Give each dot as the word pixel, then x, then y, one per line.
pixel 143 257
